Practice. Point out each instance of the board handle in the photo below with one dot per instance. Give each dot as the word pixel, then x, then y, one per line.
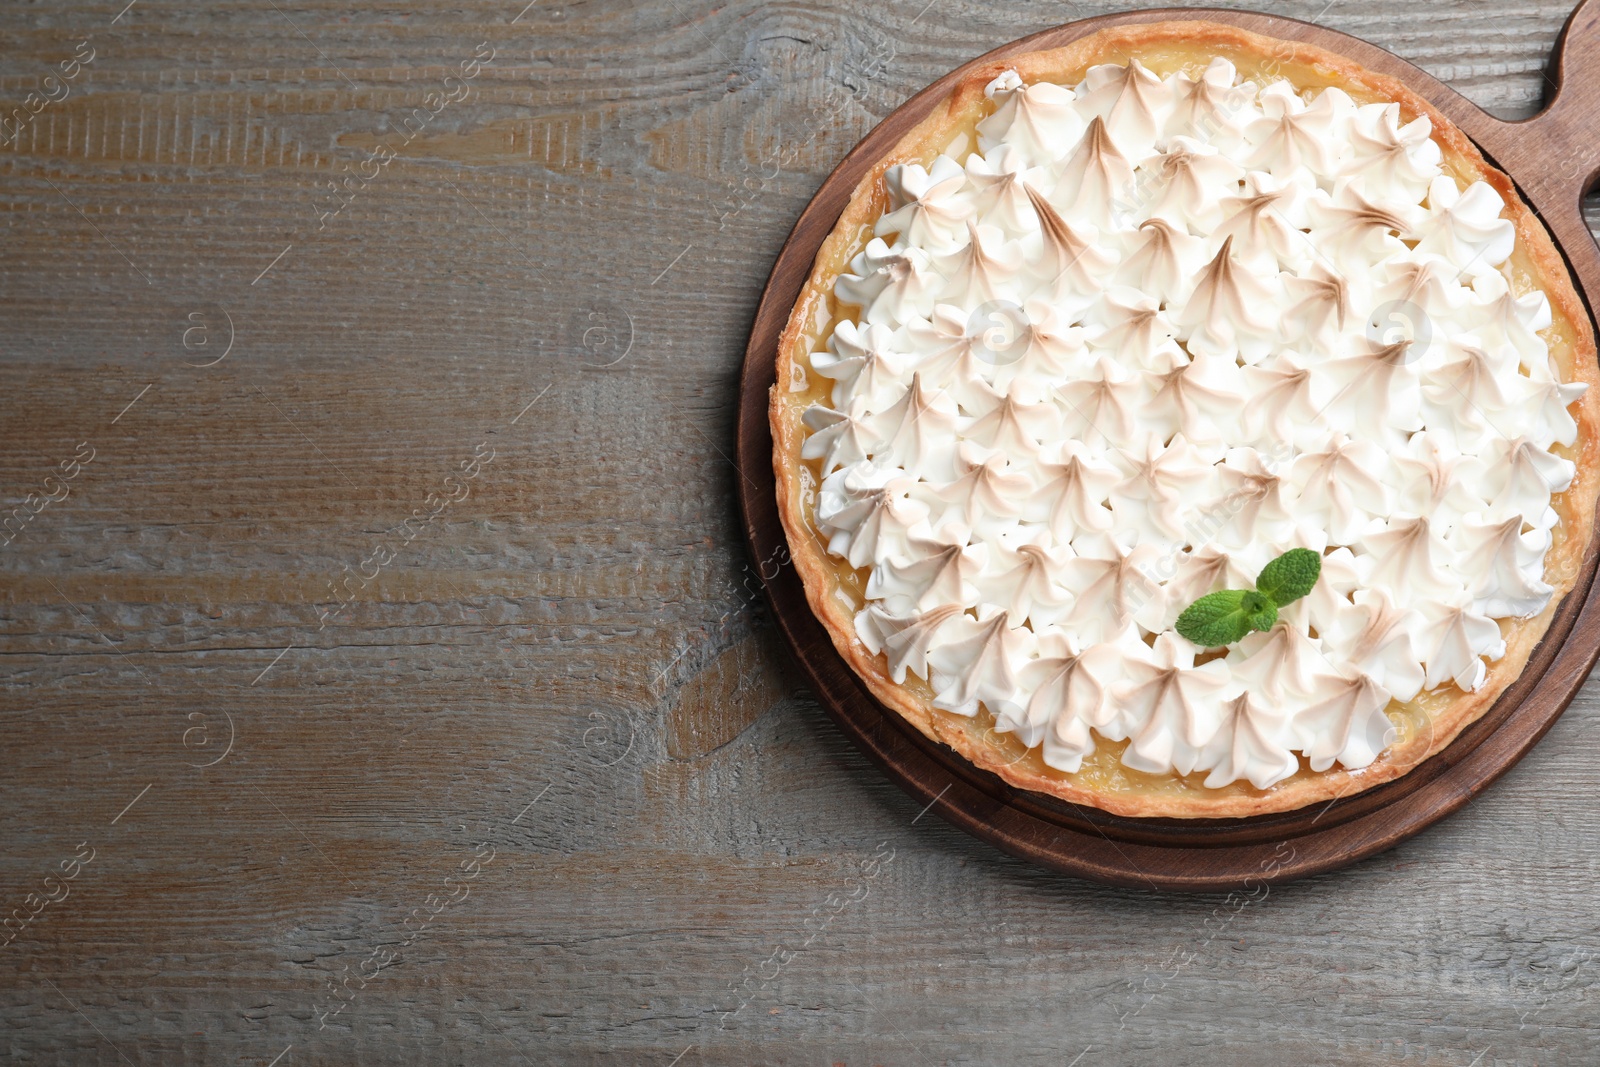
pixel 1554 157
pixel 1573 104
pixel 1557 152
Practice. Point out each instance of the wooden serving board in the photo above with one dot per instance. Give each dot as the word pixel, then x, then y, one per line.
pixel 1553 158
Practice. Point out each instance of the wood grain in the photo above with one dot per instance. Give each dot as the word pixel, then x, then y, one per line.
pixel 591 596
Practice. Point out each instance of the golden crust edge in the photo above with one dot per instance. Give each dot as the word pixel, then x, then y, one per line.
pixel 1577 505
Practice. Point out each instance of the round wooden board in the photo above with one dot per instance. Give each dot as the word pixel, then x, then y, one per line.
pixel 1553 162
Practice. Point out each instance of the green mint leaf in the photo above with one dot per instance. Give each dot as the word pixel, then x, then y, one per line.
pixel 1259 611
pixel 1221 618
pixel 1290 576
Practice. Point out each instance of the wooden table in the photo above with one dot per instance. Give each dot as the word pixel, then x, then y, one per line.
pixel 384 678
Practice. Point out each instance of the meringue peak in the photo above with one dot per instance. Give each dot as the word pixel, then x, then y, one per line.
pixel 1068 254
pixel 1096 175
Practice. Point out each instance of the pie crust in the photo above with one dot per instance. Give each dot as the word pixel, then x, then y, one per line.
pixel 1426 725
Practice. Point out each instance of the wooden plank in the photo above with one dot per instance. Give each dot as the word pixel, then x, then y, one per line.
pixel 595 568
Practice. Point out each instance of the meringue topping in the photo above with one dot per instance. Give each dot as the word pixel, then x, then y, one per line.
pixel 1095 175
pixel 1149 334
pixel 1226 303
pixel 1251 743
pixel 1067 255
pixel 1160 262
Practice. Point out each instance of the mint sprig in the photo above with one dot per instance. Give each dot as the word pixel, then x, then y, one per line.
pixel 1290 576
pixel 1223 617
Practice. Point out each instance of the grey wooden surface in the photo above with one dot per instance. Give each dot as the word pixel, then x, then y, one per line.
pixel 565 670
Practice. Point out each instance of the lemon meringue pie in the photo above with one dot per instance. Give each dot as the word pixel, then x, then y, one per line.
pixel 1121 323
